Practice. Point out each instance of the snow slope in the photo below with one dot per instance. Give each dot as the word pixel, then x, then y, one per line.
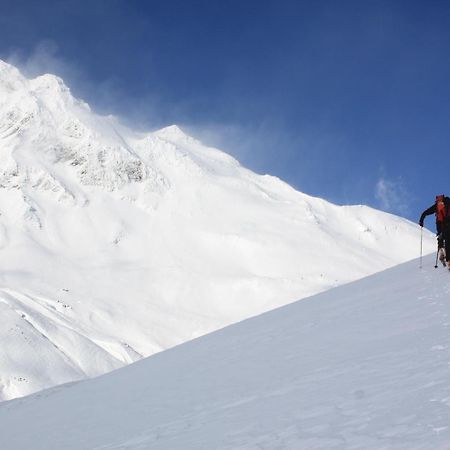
pixel 115 244
pixel 362 366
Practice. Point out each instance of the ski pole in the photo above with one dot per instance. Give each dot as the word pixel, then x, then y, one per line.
pixel 437 253
pixel 421 245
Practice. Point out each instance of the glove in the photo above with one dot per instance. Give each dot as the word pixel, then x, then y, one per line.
pixel 421 223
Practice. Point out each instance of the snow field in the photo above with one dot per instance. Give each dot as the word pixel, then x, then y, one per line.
pixel 361 366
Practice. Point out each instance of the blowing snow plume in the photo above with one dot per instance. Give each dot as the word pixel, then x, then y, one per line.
pixel 116 244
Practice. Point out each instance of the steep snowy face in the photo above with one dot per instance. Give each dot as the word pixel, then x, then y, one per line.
pixel 116 244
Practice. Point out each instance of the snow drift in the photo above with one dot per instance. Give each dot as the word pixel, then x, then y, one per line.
pixel 362 366
pixel 115 244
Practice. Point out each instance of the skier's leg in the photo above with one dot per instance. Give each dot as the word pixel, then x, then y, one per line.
pixel 441 250
pixel 440 239
pixel 446 235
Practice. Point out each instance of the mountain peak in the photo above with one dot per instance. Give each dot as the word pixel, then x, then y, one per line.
pixel 174 133
pixel 12 79
pixel 50 82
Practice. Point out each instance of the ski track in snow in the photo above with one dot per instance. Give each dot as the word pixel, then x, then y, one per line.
pixel 363 366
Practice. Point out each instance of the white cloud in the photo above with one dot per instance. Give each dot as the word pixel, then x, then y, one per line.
pixel 392 195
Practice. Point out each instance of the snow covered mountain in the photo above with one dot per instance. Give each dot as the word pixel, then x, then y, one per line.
pixel 115 244
pixel 362 366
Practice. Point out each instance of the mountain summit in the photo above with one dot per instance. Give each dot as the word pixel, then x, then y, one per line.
pixel 116 244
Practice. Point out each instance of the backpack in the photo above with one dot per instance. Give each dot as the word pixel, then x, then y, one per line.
pixel 442 212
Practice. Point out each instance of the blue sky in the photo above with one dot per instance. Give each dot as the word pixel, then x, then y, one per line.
pixel 346 100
